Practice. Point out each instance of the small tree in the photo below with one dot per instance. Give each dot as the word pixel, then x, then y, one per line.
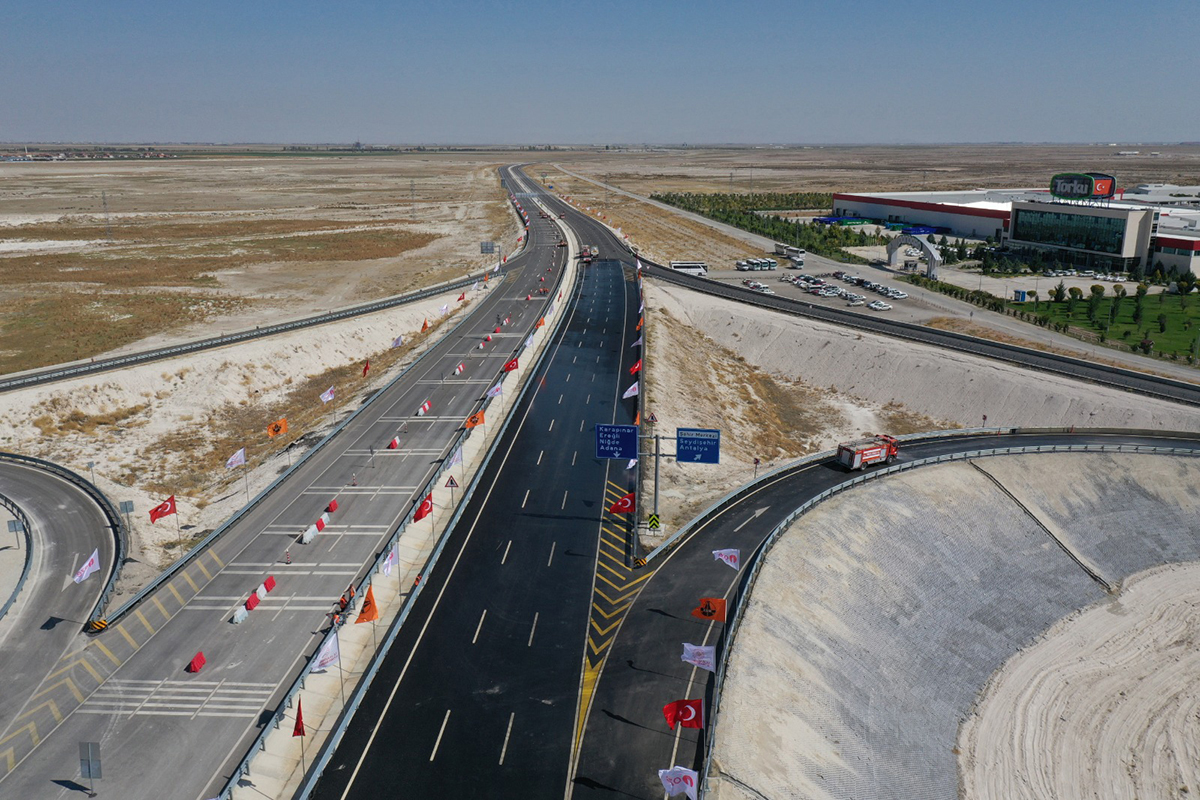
pixel 1034 297
pixel 1146 345
pixel 1162 323
pixel 1058 293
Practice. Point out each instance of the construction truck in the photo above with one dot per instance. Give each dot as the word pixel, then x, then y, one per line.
pixel 862 453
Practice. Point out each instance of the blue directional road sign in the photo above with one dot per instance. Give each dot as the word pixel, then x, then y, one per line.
pixel 697 446
pixel 616 441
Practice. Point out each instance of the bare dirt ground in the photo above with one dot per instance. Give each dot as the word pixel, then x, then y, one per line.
pixel 199 246
pixel 1103 705
pixel 780 387
pixel 874 168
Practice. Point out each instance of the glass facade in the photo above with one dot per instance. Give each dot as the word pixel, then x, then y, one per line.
pixel 1073 231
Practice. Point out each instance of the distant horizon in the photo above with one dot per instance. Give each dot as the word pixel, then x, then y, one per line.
pixel 592 145
pixel 656 74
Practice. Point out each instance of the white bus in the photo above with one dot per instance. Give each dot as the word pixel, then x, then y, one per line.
pixel 697 268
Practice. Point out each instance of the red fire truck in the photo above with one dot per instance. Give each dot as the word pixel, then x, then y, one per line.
pixel 865 452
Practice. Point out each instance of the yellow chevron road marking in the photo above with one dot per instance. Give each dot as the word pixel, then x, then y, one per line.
pixel 604 631
pixel 50 704
pixel 615 611
pixel 107 652
pixel 70 684
pixel 161 608
pixel 175 592
pixel 132 642
pixel 137 612
pixel 200 566
pixel 29 728
pixel 191 582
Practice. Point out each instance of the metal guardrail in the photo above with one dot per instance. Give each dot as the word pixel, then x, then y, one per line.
pixel 1044 361
pixel 115 523
pixel 16 511
pixel 746 582
pixel 200 546
pixel 347 714
pixel 344 719
pixel 157 354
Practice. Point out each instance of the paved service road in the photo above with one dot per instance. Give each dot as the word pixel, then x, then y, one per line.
pixel 626 740
pixel 66 525
pixel 480 693
pixel 166 733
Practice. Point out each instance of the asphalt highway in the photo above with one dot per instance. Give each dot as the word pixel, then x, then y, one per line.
pixel 66 525
pixel 127 688
pixel 479 695
pixel 626 740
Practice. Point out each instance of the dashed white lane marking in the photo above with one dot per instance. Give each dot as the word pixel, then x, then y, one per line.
pixel 550 560
pixel 532 630
pixel 526 498
pixel 507 733
pixel 479 627
pixel 442 730
pixel 505 558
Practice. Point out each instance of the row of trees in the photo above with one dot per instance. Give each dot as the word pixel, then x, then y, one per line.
pixel 825 240
pixel 703 203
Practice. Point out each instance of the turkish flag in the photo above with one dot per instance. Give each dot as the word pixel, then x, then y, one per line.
pixel 636 368
pixel 298 730
pixel 424 509
pixel 366 367
pixel 711 608
pixel 510 366
pixel 688 713
pixel 625 505
pixel 462 297
pixel 164 509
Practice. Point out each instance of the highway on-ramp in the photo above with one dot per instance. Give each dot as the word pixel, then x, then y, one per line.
pixel 165 733
pixel 66 526
pixel 626 739
pixel 481 693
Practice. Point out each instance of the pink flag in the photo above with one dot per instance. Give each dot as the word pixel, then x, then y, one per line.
pixel 390 561
pixel 237 459
pixel 327 395
pixel 328 655
pixel 730 557
pixel 89 566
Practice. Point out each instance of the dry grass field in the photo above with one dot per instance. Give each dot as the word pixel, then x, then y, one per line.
pixel 225 242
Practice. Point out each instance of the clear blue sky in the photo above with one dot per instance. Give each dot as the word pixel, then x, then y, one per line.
pixel 658 71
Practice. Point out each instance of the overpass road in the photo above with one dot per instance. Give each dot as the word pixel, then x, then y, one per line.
pixel 166 733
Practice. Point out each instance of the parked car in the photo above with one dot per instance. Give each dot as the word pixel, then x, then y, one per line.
pixel 879 305
pixel 858 301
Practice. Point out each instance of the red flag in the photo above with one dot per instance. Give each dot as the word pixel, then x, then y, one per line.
pixel 510 366
pixel 425 326
pixel 688 713
pixel 636 368
pixel 367 366
pixel 462 297
pixel 639 325
pixel 711 608
pixel 164 509
pixel 424 509
pixel 625 505
pixel 298 730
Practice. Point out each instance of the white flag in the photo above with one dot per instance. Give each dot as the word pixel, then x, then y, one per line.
pixel 89 566
pixel 475 286
pixel 642 307
pixel 631 391
pixel 495 390
pixel 456 458
pixel 730 557
pixel 700 656
pixel 329 654
pixel 399 340
pixel 529 341
pixel 327 395
pixel 639 264
pixel 496 268
pixel 679 780
pixel 638 343
pixel 549 309
pixel 632 463
pixel 390 561
pixel 237 459
pixel 444 309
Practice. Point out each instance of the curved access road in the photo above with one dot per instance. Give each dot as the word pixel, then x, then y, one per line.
pixel 626 740
pixel 66 526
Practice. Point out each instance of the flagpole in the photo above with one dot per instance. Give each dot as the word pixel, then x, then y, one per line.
pixel 178 530
pixel 341 674
pixel 303 767
pixel 245 479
